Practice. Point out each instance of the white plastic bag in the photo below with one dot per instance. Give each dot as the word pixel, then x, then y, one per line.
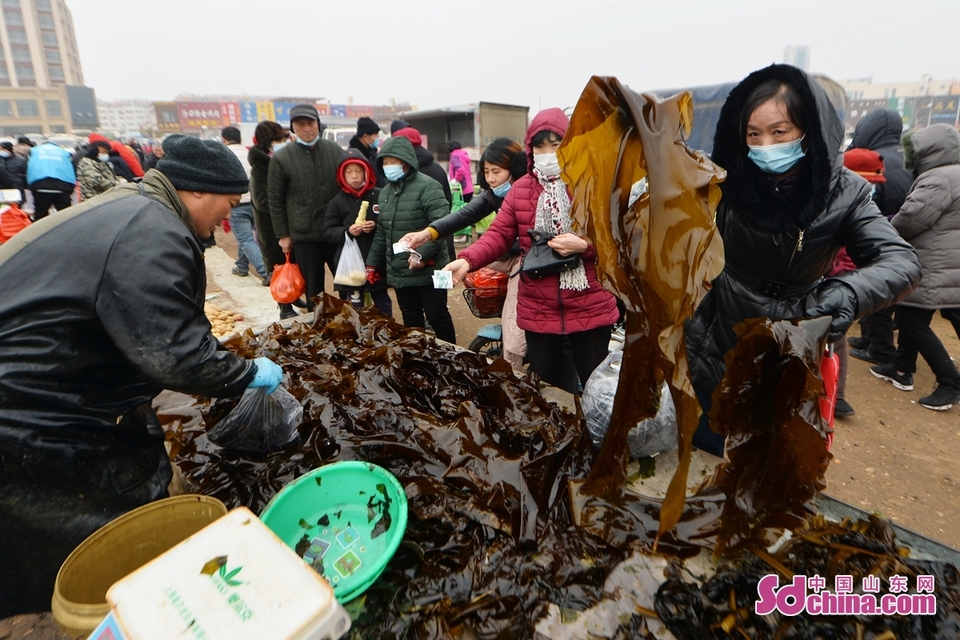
pixel 351 271
pixel 650 436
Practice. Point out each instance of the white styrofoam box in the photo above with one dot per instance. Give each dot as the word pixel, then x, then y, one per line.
pixel 232 580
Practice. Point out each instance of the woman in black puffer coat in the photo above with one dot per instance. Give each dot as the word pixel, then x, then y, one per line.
pixel 788 206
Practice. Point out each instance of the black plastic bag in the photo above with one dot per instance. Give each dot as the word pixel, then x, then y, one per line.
pixel 260 422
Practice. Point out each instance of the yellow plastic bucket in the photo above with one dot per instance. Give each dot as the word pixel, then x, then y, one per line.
pixel 117 549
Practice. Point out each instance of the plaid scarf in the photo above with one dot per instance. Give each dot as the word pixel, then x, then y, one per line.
pixel 553 217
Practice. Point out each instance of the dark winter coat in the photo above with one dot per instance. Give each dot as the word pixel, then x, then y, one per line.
pixel 410 204
pixel 150 162
pixel 778 247
pixel 368 152
pixel 342 213
pixel 469 214
pixel 930 218
pixel 259 173
pixel 301 183
pixel 430 167
pixel 880 131
pixel 542 306
pixel 101 307
pixel 114 320
pixel 16 169
pixel 259 161
pixel 120 167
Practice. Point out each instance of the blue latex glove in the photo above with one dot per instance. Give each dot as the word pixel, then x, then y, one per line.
pixel 269 375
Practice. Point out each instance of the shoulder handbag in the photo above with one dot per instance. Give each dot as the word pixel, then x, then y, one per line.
pixel 540 260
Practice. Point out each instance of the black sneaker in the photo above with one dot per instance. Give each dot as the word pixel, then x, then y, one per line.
pixel 843 409
pixel 858 343
pixel 941 399
pixel 868 355
pixel 243 274
pixel 888 372
pixel 287 311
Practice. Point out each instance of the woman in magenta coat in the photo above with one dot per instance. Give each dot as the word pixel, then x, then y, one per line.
pixel 572 305
pixel 460 169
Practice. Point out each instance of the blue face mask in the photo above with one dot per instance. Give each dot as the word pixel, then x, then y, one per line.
pixel 308 144
pixel 393 172
pixel 777 158
pixel 279 145
pixel 375 143
pixel 104 157
pixel 5 154
pixel 501 191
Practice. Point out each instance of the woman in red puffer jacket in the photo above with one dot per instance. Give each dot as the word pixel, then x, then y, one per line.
pixel 572 305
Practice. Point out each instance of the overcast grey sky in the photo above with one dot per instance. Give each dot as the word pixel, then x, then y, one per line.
pixel 532 52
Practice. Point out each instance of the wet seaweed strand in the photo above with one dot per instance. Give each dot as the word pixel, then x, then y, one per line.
pixel 657 254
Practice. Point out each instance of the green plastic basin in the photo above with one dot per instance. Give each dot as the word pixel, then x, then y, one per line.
pixel 344 519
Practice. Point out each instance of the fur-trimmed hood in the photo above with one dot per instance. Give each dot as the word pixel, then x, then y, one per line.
pixel 748 189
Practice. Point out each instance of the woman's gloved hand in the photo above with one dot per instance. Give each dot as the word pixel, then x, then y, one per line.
pixel 373 275
pixel 268 375
pixel 837 300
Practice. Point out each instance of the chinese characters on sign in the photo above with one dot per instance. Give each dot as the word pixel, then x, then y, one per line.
pixel 196 115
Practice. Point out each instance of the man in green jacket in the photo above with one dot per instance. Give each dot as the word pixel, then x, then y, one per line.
pixel 301 182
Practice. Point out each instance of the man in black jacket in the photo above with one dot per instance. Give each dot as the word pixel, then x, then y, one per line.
pixel 101 308
pixel 880 131
pixel 15 167
pixel 367 138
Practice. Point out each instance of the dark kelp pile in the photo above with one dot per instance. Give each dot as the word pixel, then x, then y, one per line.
pixel 483 458
pixel 768 406
pixel 723 605
pixel 657 254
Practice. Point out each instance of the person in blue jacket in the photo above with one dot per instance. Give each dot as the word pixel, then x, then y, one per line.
pixel 51 178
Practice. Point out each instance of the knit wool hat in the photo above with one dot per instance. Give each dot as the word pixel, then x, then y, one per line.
pixel 396 125
pixel 866 163
pixel 366 125
pixel 206 166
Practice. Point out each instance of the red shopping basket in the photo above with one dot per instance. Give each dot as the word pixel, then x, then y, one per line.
pixel 485 291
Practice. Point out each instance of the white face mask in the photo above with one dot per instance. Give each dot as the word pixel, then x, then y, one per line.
pixel 279 145
pixel 546 163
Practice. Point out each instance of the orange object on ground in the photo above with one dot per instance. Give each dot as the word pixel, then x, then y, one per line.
pixel 12 221
pixel 287 283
